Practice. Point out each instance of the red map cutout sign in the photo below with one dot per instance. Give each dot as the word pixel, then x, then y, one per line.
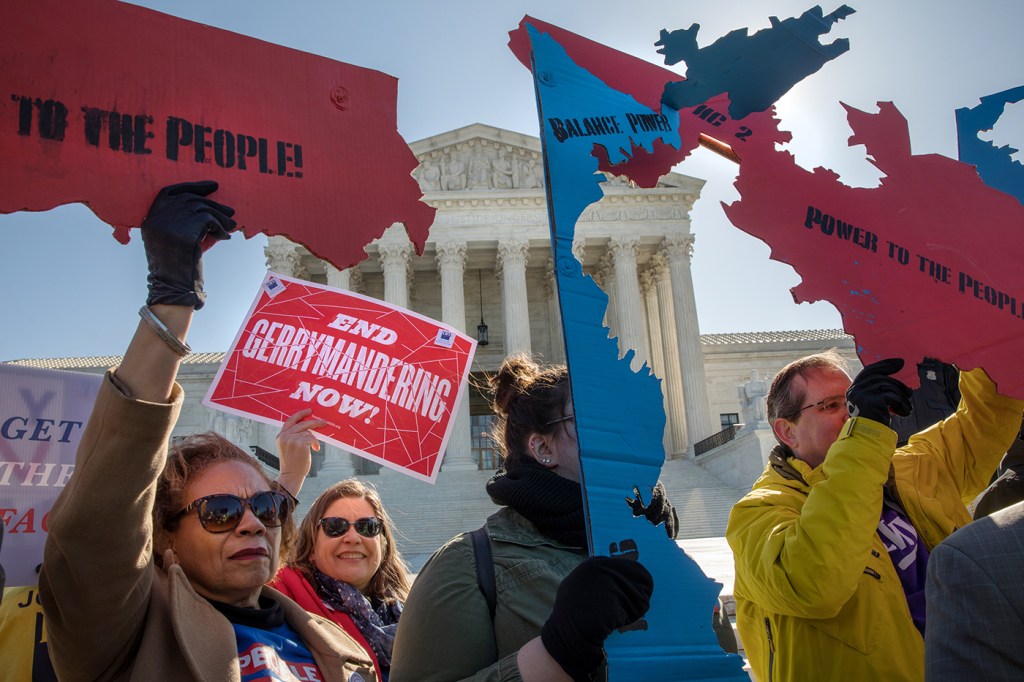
pixel 386 379
pixel 104 103
pixel 928 264
pixel 708 124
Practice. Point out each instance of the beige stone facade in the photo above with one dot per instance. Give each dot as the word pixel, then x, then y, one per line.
pixel 488 260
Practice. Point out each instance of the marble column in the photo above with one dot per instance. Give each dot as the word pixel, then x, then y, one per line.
pixel 284 258
pixel 604 275
pixel 394 259
pixel 339 279
pixel 671 375
pixel 554 315
pixel 648 289
pixel 451 262
pixel 349 279
pixel 512 257
pixel 679 251
pixel 338 462
pixel 394 250
pixel 629 306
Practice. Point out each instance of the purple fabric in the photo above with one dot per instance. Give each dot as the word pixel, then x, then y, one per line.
pixel 909 556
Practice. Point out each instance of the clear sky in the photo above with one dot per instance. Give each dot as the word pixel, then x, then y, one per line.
pixel 71 290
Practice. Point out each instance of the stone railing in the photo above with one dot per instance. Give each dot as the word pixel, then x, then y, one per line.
pixel 711 442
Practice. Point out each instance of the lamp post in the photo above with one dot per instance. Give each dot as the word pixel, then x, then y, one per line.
pixel 481 329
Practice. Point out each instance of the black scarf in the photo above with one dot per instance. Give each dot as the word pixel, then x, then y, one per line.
pixel 552 503
pixel 266 616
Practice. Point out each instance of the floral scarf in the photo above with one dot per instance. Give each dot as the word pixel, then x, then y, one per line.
pixel 376 619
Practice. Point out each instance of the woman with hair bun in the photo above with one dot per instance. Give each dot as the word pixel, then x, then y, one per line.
pixel 554 606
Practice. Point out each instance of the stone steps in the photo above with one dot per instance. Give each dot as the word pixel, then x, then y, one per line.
pixel 426 516
pixel 701 499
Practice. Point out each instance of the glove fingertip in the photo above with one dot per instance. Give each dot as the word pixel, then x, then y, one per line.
pixel 205 187
pixel 200 187
pixel 228 211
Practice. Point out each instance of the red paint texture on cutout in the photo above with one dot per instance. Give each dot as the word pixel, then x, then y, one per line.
pixel 301 145
pixel 927 264
pixel 645 82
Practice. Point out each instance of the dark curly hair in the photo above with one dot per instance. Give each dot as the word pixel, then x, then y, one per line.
pixel 192 455
pixel 527 398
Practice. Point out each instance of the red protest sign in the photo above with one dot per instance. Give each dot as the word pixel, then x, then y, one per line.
pixel 386 379
pixel 104 102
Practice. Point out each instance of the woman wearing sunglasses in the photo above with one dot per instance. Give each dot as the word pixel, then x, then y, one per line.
pixel 554 607
pixel 346 567
pixel 155 563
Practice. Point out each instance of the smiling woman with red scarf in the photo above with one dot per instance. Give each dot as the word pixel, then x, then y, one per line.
pixel 346 567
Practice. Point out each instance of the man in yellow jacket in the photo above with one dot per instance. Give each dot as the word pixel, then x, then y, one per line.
pixel 832 542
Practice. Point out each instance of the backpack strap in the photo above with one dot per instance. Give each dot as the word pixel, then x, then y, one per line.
pixel 485 567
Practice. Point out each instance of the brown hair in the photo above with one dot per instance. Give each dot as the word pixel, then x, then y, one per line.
pixel 191 456
pixel 783 401
pixel 527 398
pixel 391 581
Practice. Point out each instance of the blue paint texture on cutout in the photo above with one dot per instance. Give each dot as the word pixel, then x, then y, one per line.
pixel 754 70
pixel 995 164
pixel 619 413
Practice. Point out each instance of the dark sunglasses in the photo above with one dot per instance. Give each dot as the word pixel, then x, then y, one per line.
pixel 335 526
pixel 221 513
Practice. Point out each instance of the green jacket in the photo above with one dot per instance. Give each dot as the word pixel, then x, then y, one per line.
pixel 446 632
pixel 817 596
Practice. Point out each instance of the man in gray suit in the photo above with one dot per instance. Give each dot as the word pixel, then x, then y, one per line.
pixel 975 598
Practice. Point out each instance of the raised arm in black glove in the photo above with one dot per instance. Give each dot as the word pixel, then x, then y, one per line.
pixel 659 510
pixel 179 220
pixel 876 395
pixel 601 595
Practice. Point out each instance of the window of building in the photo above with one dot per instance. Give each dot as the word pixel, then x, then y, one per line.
pixel 728 419
pixel 483 450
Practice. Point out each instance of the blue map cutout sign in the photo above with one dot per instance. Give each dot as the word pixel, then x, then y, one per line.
pixel 995 165
pixel 754 70
pixel 619 413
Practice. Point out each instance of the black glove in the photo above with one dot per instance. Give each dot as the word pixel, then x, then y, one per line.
pixel 180 218
pixel 601 595
pixel 876 395
pixel 658 511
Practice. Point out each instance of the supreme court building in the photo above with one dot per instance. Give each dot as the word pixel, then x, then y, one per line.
pixel 487 263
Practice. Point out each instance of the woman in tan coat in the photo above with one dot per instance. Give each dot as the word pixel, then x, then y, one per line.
pixel 155 563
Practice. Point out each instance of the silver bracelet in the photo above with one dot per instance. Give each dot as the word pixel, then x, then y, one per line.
pixel 161 330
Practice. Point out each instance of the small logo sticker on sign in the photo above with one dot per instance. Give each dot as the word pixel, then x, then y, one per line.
pixel 273 286
pixel 445 338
